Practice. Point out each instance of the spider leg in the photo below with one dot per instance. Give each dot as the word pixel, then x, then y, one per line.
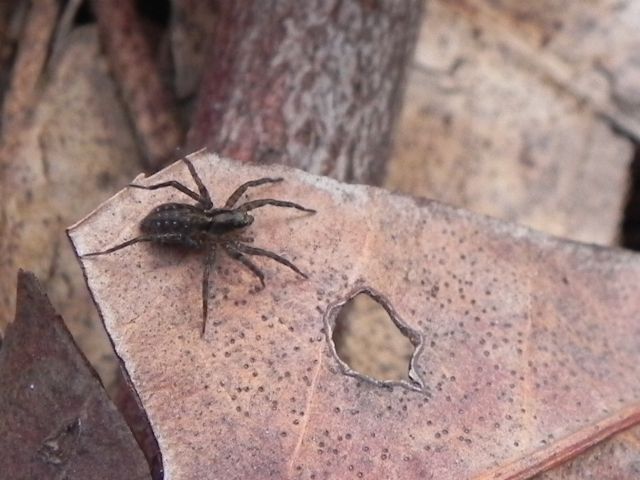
pixel 245 207
pixel 202 198
pixel 208 264
pixel 205 198
pixel 266 253
pixel 235 196
pixel 171 183
pixel 234 253
pixel 166 238
pixel 142 238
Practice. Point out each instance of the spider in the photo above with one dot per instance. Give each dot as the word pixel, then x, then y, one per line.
pixel 205 227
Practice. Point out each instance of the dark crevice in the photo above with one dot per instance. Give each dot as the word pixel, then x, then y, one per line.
pixel 84 15
pixel 157 11
pixel 371 342
pixel 630 232
pixel 130 407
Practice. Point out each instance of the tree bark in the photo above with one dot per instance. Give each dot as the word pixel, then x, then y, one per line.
pixel 316 85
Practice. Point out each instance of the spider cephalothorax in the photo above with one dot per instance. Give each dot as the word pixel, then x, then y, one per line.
pixel 204 227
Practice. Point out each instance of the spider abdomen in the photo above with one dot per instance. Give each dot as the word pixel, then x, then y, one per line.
pixel 177 224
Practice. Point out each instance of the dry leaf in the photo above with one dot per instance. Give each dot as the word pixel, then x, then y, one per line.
pixel 617 458
pixel 529 344
pixel 484 128
pixel 57 420
pixel 589 49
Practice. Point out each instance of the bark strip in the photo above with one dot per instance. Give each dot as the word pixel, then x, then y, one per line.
pixel 150 103
pixel 315 85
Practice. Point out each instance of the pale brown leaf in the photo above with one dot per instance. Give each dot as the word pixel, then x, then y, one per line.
pixel 529 344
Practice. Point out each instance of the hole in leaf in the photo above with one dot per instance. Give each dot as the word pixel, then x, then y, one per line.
pixel 370 343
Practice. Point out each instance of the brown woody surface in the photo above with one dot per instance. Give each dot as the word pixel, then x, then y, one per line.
pixel 191 36
pixel 29 65
pixel 149 101
pixel 529 356
pixel 316 85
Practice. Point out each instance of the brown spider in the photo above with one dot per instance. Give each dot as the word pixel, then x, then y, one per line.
pixel 202 226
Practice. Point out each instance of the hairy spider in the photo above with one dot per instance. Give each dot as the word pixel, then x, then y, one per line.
pixel 204 227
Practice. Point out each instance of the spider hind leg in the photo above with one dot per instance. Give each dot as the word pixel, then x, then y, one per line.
pixel 237 255
pixel 249 250
pixel 133 241
pixel 208 265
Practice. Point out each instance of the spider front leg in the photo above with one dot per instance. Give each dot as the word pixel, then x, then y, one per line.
pixel 235 196
pixel 253 204
pixel 204 193
pixel 203 198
